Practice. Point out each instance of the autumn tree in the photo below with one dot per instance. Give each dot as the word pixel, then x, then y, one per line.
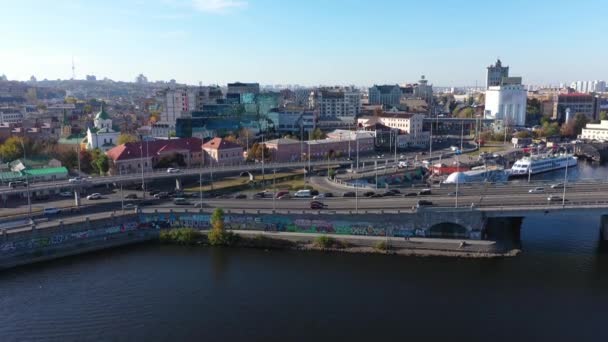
pixel 317 134
pixel 11 149
pixel 127 138
pixel 218 236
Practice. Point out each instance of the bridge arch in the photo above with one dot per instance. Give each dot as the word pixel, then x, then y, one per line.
pixel 448 230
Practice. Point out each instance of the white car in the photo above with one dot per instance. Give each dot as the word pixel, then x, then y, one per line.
pixel 173 170
pixel 536 190
pixel 76 180
pixel 94 196
pixel 557 186
pixel 319 196
pixel 130 206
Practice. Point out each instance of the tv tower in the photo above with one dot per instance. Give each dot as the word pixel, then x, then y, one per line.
pixel 73 69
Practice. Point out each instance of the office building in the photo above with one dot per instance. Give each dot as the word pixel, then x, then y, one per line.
pixel 495 74
pixel 387 95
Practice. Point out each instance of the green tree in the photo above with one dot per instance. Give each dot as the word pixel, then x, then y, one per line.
pixel 467 112
pixel 523 134
pixel 317 134
pixel 88 109
pixel 218 236
pixel 100 162
pixel 68 158
pixel 127 138
pixel 603 115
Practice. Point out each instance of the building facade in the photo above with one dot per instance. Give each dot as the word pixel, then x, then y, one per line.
pixel 596 131
pixel 596 86
pixel 341 104
pixel 575 103
pixel 386 95
pixel 507 102
pixel 243 88
pixel 495 74
pixel 221 152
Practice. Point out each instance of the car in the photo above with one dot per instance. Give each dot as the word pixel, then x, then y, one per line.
pixel 554 198
pixel 454 193
pixel 303 194
pixel 76 180
pixel 16 184
pixel 558 185
pixel 199 205
pixel 314 192
pixel 349 194
pixel 284 197
pixel 317 205
pixel 422 203
pixel 161 195
pixel 368 194
pixel 328 194
pixel 173 170
pixel 282 193
pixel 131 196
pixel 151 192
pixel 389 194
pixel 411 194
pixel 395 191
pixel 66 194
pixel 377 196
pixel 180 201
pixel 319 196
pixel 94 196
pixel 424 192
pixel 130 206
pixel 146 203
pixel 240 196
pixel 538 190
pixel 51 211
pixel 261 194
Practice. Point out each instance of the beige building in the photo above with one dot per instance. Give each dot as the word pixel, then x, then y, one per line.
pixel 596 131
pixel 219 151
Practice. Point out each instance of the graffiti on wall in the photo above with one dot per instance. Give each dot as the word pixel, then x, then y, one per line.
pixel 20 246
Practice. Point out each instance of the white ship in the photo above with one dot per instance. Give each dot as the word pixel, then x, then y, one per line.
pixel 477 175
pixel 542 163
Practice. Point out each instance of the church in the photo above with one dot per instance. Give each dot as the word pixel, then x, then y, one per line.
pixel 102 135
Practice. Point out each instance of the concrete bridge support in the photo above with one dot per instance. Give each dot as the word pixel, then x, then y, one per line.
pixel 604 227
pixel 178 184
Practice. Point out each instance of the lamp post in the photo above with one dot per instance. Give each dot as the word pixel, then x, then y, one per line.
pixel 274 188
pixel 122 198
pixel 27 183
pixel 457 178
pixel 565 179
pixel 263 157
pixel 143 181
pixel 200 176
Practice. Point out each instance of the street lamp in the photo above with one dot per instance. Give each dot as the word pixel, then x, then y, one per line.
pixel 274 188
pixel 565 179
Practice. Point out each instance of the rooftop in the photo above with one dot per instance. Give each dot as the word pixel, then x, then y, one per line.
pixel 153 148
pixel 220 144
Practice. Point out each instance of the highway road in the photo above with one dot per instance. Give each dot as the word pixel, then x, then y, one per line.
pixel 135 177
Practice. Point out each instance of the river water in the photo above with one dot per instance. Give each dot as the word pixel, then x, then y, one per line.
pixel 557 290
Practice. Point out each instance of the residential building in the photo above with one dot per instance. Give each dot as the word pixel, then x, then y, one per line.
pixel 337 104
pixel 10 116
pixel 495 74
pixel 507 102
pixel 176 103
pixel 575 103
pixel 596 86
pixel 386 95
pixel 102 135
pixel 129 158
pixel 596 131
pixel 221 152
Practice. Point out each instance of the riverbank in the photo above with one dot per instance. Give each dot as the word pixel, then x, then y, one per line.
pixel 419 247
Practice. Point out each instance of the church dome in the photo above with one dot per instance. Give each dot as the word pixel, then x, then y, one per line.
pixel 102 115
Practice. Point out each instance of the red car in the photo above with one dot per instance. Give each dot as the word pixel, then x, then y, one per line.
pixel 317 205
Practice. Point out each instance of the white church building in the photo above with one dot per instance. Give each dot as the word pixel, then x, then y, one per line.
pixel 102 135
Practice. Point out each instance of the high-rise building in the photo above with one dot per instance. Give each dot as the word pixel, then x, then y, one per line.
pixel 596 86
pixel 243 88
pixel 342 104
pixel 495 74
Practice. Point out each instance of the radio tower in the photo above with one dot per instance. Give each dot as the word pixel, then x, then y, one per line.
pixel 73 69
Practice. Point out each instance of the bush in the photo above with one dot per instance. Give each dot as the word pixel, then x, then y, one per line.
pixel 326 242
pixel 181 236
pixel 381 246
pixel 222 238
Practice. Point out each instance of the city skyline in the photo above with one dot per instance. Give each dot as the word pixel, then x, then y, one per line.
pixel 311 43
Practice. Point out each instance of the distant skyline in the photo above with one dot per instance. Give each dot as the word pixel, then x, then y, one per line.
pixel 359 42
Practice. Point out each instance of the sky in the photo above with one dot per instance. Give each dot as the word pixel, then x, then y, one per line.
pixel 306 42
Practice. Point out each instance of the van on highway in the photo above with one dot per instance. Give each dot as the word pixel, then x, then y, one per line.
pixel 17 184
pixel 302 194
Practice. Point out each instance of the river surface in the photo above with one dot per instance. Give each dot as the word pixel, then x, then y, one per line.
pixel 557 290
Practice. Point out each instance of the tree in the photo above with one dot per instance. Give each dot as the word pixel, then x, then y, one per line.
pixel 86 164
pixel 218 236
pixel 533 111
pixel 603 115
pixel 317 134
pixel 171 160
pixel 88 109
pixel 68 158
pixel 154 117
pixel 231 138
pixel 467 112
pixel 127 138
pixel 258 151
pixel 11 149
pixel 246 136
pixel 100 162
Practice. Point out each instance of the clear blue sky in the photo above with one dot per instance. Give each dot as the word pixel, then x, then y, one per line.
pixel 304 42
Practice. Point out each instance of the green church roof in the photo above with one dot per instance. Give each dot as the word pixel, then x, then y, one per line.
pixel 102 115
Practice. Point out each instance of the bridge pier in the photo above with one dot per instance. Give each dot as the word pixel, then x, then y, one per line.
pixel 604 227
pixel 178 184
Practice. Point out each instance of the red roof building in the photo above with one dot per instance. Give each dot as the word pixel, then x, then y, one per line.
pixel 127 158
